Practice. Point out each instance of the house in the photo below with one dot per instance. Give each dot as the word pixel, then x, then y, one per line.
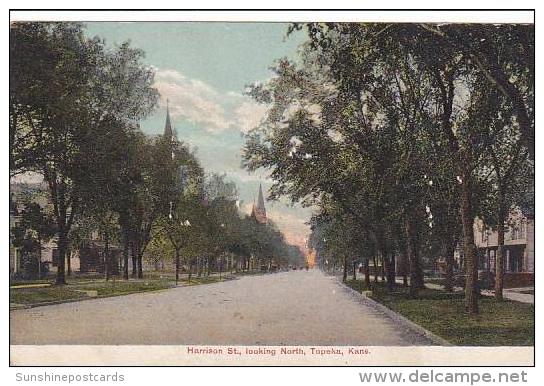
pixel 45 258
pixel 519 247
pixel 88 258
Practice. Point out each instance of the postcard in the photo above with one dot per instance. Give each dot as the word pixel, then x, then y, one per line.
pixel 286 189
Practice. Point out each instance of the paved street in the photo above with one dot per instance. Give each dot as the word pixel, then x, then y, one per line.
pixel 288 308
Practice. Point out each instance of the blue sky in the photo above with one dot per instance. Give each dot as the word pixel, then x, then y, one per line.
pixel 203 69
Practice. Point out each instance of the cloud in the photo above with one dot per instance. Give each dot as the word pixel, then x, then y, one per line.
pixel 249 114
pixel 244 176
pixel 222 113
pixel 203 105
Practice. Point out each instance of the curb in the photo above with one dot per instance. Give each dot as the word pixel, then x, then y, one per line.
pixel 401 319
pixel 53 302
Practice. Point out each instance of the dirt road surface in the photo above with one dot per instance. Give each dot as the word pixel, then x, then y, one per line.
pixel 287 308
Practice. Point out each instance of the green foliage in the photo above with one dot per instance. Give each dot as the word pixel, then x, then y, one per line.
pixel 72 103
pixel 34 228
pixel 206 223
pixel 391 131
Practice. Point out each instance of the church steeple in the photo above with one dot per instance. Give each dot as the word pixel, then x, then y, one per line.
pixel 259 211
pixel 168 132
pixel 260 200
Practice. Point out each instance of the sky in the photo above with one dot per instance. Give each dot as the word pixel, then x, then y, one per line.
pixel 203 69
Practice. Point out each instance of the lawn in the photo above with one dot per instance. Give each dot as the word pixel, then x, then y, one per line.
pixel 84 290
pixel 506 323
pixel 86 287
pixel 41 295
pixel 50 279
pixel 357 285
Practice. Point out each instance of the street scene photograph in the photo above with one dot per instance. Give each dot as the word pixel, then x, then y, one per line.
pixel 271 193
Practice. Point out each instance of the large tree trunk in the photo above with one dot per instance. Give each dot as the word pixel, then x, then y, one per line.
pixel 405 266
pixel 125 256
pixel 471 290
pixel 386 264
pixel 177 266
pixel 68 261
pixel 387 269
pixel 354 270
pixel 412 250
pixel 449 251
pixel 62 246
pixel 140 262
pixel 375 261
pixel 57 191
pixel 391 273
pixel 499 258
pixel 106 256
pixel 40 259
pixel 134 258
pixel 447 86
pixel 367 274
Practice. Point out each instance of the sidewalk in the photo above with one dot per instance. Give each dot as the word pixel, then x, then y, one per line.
pixel 508 293
pixel 516 295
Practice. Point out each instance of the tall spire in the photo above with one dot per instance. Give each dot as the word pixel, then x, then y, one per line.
pixel 260 200
pixel 168 133
pixel 259 211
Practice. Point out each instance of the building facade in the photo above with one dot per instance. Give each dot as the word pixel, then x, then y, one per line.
pixel 519 246
pixel 89 257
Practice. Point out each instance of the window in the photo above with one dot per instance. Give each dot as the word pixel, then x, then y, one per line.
pixel 484 234
pixel 482 261
pixel 514 232
pixel 516 264
pixel 522 230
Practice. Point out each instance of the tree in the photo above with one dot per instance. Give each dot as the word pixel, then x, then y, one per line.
pixel 177 228
pixel 176 196
pixel 511 176
pixel 224 218
pixel 504 55
pixel 456 74
pixel 472 58
pixel 356 124
pixel 66 95
pixel 365 117
pixel 340 239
